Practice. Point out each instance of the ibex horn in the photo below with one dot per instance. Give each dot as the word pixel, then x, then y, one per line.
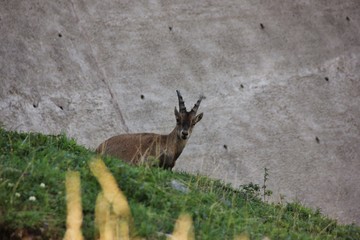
pixel 182 107
pixel 197 104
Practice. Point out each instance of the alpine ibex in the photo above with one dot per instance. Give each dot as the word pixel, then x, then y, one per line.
pixel 151 148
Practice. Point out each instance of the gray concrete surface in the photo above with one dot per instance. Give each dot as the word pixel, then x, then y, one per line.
pixel 282 81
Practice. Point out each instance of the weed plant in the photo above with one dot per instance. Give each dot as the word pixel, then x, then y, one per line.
pixel 32 197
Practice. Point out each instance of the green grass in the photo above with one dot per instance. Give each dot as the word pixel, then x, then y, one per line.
pixel 33 166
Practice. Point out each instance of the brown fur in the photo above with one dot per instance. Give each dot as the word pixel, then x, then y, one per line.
pixel 154 149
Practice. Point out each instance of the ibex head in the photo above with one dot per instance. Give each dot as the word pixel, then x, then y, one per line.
pixel 185 121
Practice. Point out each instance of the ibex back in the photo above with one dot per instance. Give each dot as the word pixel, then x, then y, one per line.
pixel 155 149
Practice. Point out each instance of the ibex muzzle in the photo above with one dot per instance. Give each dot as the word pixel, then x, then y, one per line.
pixel 155 149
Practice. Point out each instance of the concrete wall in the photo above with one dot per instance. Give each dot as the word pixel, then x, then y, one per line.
pixel 282 81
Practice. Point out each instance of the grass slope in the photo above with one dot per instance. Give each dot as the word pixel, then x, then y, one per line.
pixel 32 197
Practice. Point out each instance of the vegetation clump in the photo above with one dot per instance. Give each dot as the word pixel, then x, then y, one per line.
pixel 33 201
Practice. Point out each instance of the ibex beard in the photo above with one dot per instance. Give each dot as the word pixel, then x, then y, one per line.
pixel 155 149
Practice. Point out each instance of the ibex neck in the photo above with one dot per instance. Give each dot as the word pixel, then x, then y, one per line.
pixel 177 141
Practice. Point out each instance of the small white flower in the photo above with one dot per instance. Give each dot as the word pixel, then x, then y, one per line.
pixel 17 194
pixel 42 185
pixel 32 198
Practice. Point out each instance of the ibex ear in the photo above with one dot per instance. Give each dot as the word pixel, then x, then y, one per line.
pixel 198 118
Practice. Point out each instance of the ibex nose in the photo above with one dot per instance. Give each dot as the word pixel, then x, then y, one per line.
pixel 185 134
